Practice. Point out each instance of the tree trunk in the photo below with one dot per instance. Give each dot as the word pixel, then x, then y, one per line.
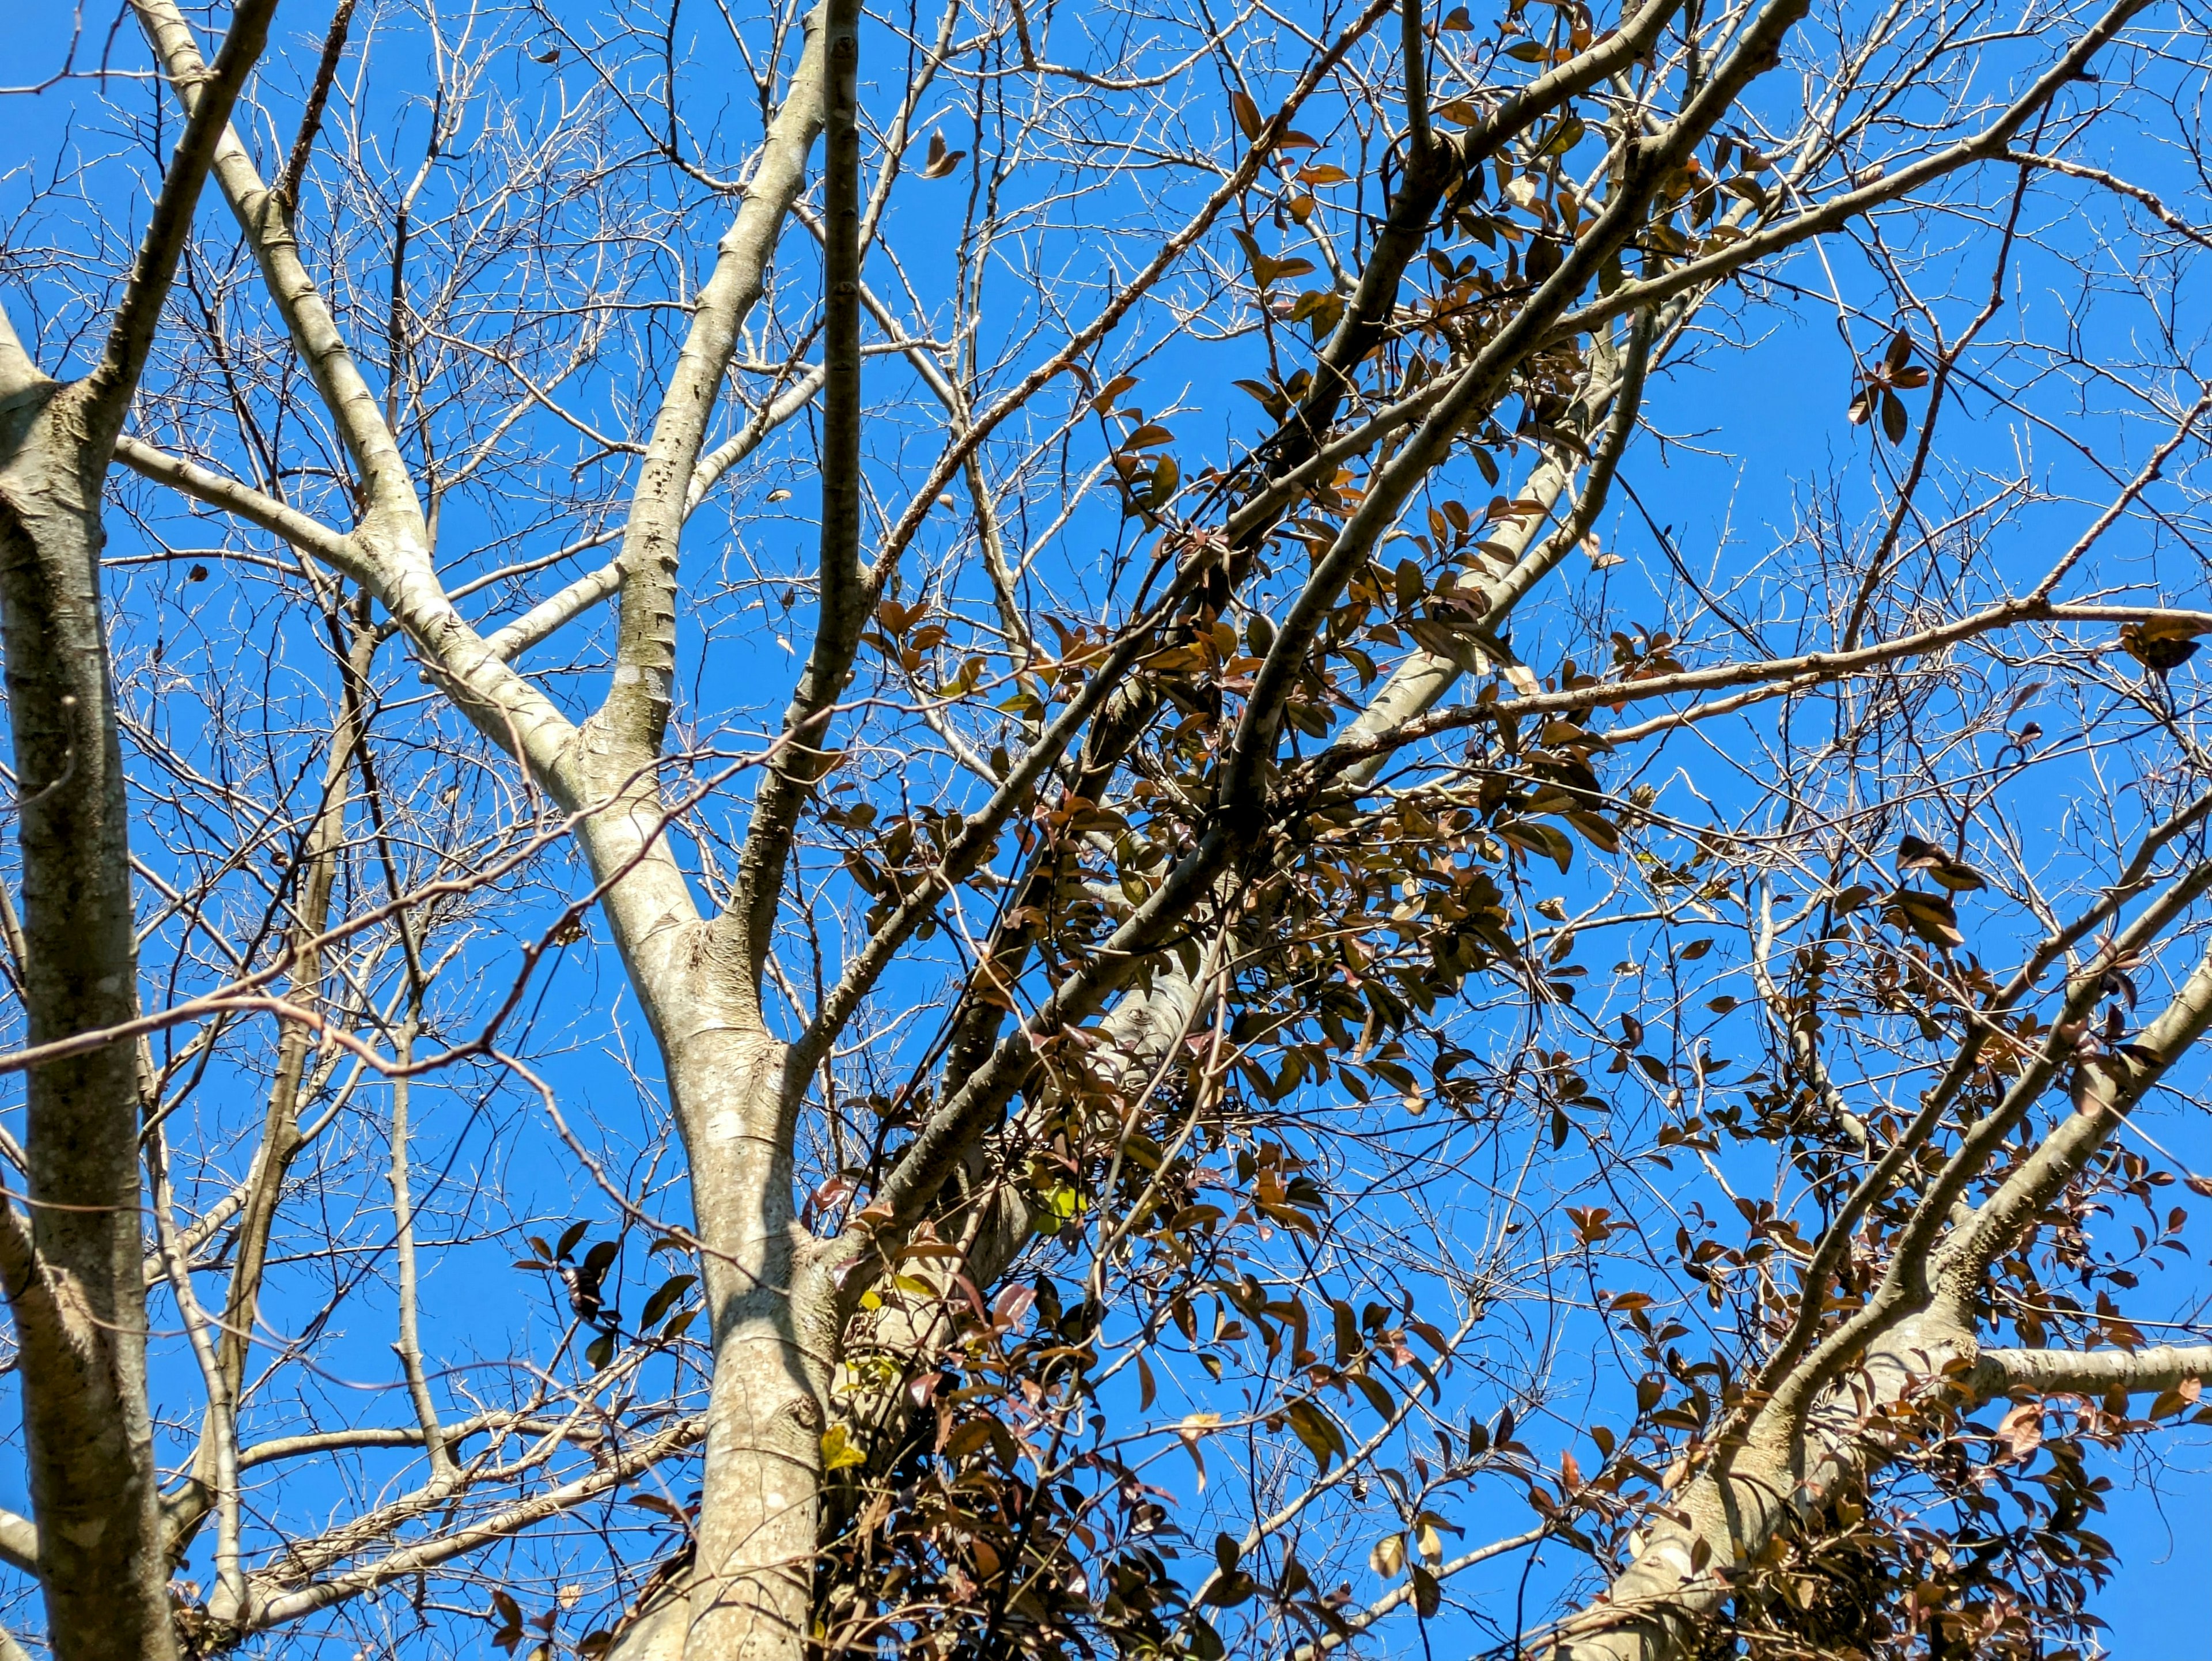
pixel 752 1582
pixel 748 1594
pixel 73 1273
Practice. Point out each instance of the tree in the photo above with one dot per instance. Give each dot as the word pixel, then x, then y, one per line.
pixel 1012 976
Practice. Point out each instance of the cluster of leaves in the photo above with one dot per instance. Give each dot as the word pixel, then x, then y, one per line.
pixel 1979 1544
pixel 1012 1520
pixel 1979 1541
pixel 668 1311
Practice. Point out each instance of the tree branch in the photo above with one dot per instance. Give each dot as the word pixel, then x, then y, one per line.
pixel 261 216
pixel 309 535
pixel 131 336
pixel 2106 1088
pixel 311 117
pixel 2091 1372
pixel 19 1543
pixel 276 1605
pixel 637 706
pixel 800 761
pixel 1988 144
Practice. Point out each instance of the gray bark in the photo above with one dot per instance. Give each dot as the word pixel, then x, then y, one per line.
pixel 72 1269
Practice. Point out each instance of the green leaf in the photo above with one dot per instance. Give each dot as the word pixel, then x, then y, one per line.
pixel 1318 1433
pixel 1895 423
pixel 659 1304
pixel 1428 1593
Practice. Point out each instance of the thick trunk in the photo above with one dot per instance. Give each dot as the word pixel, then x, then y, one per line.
pixel 75 1283
pixel 747 1593
pixel 752 1580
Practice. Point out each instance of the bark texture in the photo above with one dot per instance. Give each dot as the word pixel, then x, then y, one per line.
pixel 73 1276
pixel 72 1269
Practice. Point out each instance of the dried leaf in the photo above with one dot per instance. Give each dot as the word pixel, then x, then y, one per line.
pixel 1928 916
pixel 2021 1430
pixel 1112 390
pixel 940 162
pixel 2161 645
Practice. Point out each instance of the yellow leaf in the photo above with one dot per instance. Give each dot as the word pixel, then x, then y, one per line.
pixel 837 1453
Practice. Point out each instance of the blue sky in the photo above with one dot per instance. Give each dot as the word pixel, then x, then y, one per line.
pixel 1756 428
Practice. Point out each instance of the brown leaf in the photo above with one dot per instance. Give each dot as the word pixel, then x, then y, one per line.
pixel 1267 268
pixel 940 162
pixel 2021 1430
pixel 1112 390
pixel 2159 645
pixel 1915 854
pixel 1926 915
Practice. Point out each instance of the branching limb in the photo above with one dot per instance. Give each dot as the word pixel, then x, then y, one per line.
pixel 307 534
pixel 984 828
pixel 1415 47
pixel 1810 668
pixel 2107 1088
pixel 279 1604
pixel 2091 1372
pixel 409 1345
pixel 1476 388
pixel 268 231
pixel 1991 143
pixel 554 613
pixel 2119 186
pixel 131 336
pixel 800 762
pixel 311 117
pixel 1399 1597
pixel 1080 341
pixel 636 708
pixel 219 1438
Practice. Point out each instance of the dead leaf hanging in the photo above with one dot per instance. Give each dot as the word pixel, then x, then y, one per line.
pixel 940 162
